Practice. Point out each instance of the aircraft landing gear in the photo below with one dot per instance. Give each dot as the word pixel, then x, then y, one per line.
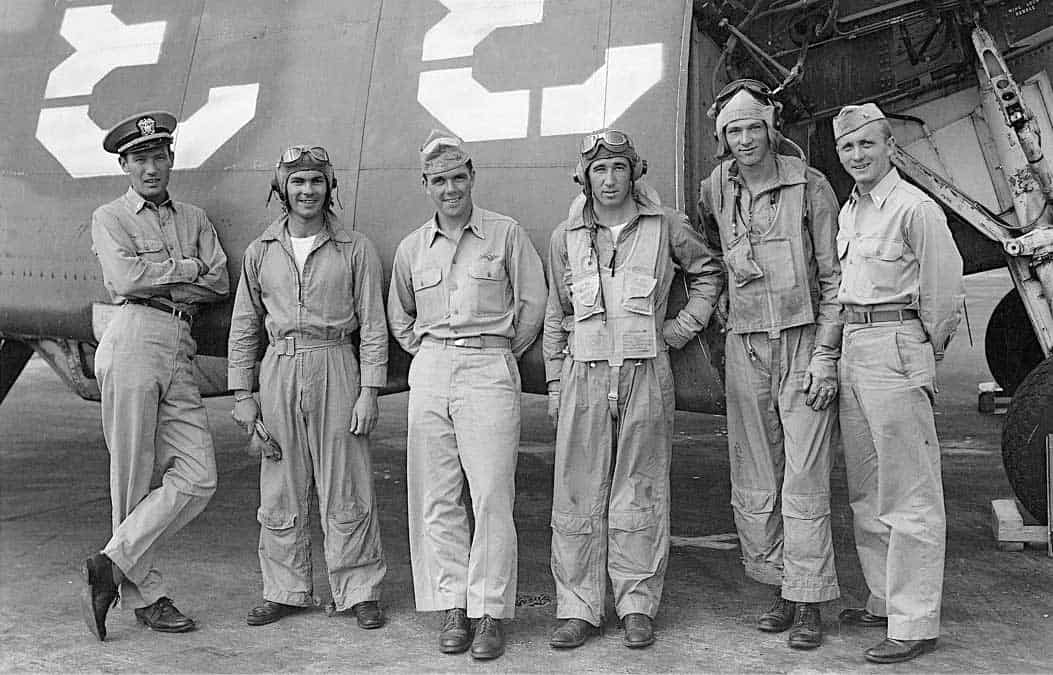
pixel 1027 423
pixel 1010 345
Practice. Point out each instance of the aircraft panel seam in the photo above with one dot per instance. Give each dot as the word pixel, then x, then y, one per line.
pixel 365 114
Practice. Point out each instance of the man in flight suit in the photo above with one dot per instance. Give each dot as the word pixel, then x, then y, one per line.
pixel 466 300
pixel 161 260
pixel 310 283
pixel 611 394
pixel 901 289
pixel 774 220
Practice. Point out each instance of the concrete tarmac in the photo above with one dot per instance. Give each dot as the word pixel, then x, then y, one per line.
pixel 54 510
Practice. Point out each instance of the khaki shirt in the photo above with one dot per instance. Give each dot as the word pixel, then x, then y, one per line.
pixel 679 244
pixel 897 253
pixel 489 282
pixel 148 251
pixel 340 291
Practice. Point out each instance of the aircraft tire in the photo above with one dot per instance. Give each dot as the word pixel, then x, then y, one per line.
pixel 1011 348
pixel 1028 421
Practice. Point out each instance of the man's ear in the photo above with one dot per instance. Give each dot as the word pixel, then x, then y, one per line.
pixel 123 162
pixel 424 184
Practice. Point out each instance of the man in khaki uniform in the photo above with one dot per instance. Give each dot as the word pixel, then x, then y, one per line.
pixel 311 284
pixel 466 300
pixel 773 218
pixel 161 260
pixel 901 289
pixel 611 395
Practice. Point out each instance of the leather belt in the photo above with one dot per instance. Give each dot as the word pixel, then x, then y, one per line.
pixel 474 342
pixel 163 305
pixel 291 344
pixel 881 315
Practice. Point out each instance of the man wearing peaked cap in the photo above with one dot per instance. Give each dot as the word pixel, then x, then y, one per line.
pixel 161 261
pixel 466 300
pixel 901 293
pixel 773 220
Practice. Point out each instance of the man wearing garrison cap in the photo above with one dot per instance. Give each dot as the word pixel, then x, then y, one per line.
pixel 161 261
pixel 773 218
pixel 901 292
pixel 467 299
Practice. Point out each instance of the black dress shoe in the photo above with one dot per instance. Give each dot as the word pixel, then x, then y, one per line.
pixel 779 617
pixel 571 633
pixel 456 635
pixel 98 594
pixel 489 642
pixel 859 616
pixel 638 631
pixel 163 616
pixel 894 651
pixel 368 614
pixel 807 632
pixel 269 612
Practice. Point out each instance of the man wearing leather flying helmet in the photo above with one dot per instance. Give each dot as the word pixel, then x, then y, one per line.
pixel 310 284
pixel 773 220
pixel 161 261
pixel 466 300
pixel 611 393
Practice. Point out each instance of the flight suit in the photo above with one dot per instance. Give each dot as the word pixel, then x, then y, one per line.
pixel 465 310
pixel 902 293
pixel 779 247
pixel 152 413
pixel 605 343
pixel 310 379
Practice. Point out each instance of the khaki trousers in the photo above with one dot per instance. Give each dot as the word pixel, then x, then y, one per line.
pixel 152 415
pixel 610 501
pixel 464 417
pixel 307 400
pixel 892 458
pixel 780 464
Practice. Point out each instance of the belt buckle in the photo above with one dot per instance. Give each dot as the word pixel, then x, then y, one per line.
pixel 867 317
pixel 289 348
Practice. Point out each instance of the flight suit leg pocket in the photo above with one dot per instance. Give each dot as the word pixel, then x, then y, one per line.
pixel 279 538
pixel 350 539
pixel 573 549
pixel 633 540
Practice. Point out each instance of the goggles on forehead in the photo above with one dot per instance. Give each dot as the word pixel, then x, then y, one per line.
pixel 612 138
pixel 755 87
pixel 296 152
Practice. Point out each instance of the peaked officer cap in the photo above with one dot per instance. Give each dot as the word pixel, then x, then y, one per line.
pixel 441 152
pixel 141 129
pixel 854 117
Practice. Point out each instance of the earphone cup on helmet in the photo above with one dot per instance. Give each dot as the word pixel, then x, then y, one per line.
pixel 639 169
pixel 579 174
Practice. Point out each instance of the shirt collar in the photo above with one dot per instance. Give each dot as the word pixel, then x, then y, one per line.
pixel 474 225
pixel 789 170
pixel 333 229
pixel 644 206
pixel 136 202
pixel 880 192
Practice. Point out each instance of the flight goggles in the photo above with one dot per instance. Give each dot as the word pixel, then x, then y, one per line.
pixel 294 153
pixel 612 138
pixel 755 87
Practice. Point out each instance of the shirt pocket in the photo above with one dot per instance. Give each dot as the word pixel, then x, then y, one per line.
pixel 882 266
pixel 639 292
pixel 489 286
pixel 428 294
pixel 775 257
pixel 151 250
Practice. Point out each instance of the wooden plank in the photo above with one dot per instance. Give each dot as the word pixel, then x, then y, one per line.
pixel 1008 525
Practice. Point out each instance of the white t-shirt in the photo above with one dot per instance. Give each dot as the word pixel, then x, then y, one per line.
pixel 301 246
pixel 616 230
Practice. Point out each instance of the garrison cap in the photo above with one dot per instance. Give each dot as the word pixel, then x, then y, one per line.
pixel 854 117
pixel 140 129
pixel 441 152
